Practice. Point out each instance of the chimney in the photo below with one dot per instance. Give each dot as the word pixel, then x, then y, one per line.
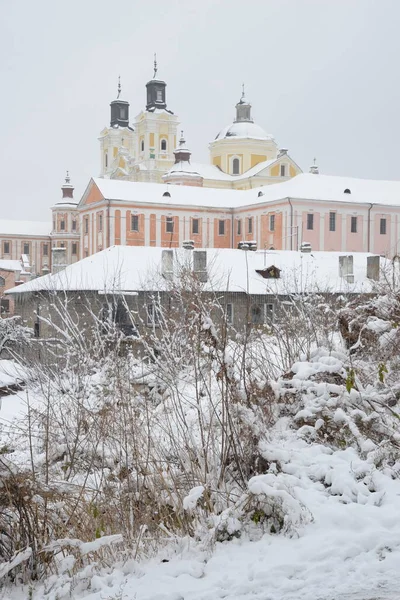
pixel 167 264
pixel 59 259
pixel 373 263
pixel 188 244
pixel 200 265
pixel 346 268
pixel 282 152
pixel 305 247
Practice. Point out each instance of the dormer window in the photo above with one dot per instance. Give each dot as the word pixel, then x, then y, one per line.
pixel 271 272
pixel 283 170
pixel 347 191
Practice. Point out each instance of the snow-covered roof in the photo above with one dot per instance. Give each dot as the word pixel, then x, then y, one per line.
pixel 305 186
pixel 28 228
pixel 10 265
pixel 244 129
pixel 129 268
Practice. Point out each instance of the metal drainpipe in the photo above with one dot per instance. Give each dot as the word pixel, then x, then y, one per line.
pixel 291 223
pixel 108 224
pixel 369 228
pixel 232 232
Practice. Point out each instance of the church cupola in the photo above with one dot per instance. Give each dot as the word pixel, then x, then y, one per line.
pixel 243 110
pixel 67 189
pixel 182 153
pixel 119 110
pixel 156 92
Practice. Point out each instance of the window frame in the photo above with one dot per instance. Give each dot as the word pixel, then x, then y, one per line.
pixel 250 225
pixel 353 224
pixel 229 313
pixel 163 142
pixel 45 250
pixel 169 221
pixel 73 225
pixel 235 162
pixel 62 225
pixel 332 221
pixel 272 222
pixel 239 227
pixel 29 248
pixel 74 245
pixel 383 226
pixel 221 226
pixel 197 221
pixel 86 218
pixel 133 227
pixel 6 245
pixel 100 221
pixel 282 170
pixel 310 221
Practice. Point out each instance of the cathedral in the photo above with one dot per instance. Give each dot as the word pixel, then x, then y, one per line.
pixel 149 192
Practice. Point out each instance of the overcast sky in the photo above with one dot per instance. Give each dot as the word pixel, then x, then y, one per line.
pixel 322 76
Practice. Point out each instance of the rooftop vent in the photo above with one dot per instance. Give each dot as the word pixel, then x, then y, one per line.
pixel 346 268
pixel 167 194
pixel 260 193
pixel 347 191
pixel 305 247
pixel 282 152
pixel 251 245
pixel 188 244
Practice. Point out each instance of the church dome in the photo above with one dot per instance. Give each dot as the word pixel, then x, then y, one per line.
pixel 243 129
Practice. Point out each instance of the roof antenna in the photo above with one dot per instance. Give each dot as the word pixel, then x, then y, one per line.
pixel 242 91
pixel 155 66
pixel 67 179
pixel 119 86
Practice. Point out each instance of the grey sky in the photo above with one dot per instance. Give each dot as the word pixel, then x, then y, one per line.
pixel 322 76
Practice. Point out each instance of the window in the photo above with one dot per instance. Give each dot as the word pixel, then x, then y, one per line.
pixel 86 224
pixel 122 112
pixel 106 160
pixel 45 249
pixel 163 145
pixel 256 315
pixel 383 227
pixel 134 222
pixel 283 170
pixel 74 248
pixel 2 282
pixel 235 166
pixel 54 224
pixel 332 221
pixel 6 247
pixel 169 225
pixel 62 245
pixel 229 313
pixel 36 329
pixel 100 222
pixel 239 227
pixel 73 225
pixel 153 314
pixel 250 225
pixel 269 312
pixel 62 225
pixel 353 226
pixel 310 221
pixel 25 248
pixel 159 96
pixel 221 227
pixel 272 223
pixel 195 226
pixel 4 306
pixel 142 146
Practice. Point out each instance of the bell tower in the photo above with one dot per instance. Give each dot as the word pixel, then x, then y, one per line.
pixel 156 133
pixel 117 139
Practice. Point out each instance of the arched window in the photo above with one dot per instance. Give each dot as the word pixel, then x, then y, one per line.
pixel 163 145
pixel 2 282
pixel 142 146
pixel 235 166
pixel 106 160
pixel 347 191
